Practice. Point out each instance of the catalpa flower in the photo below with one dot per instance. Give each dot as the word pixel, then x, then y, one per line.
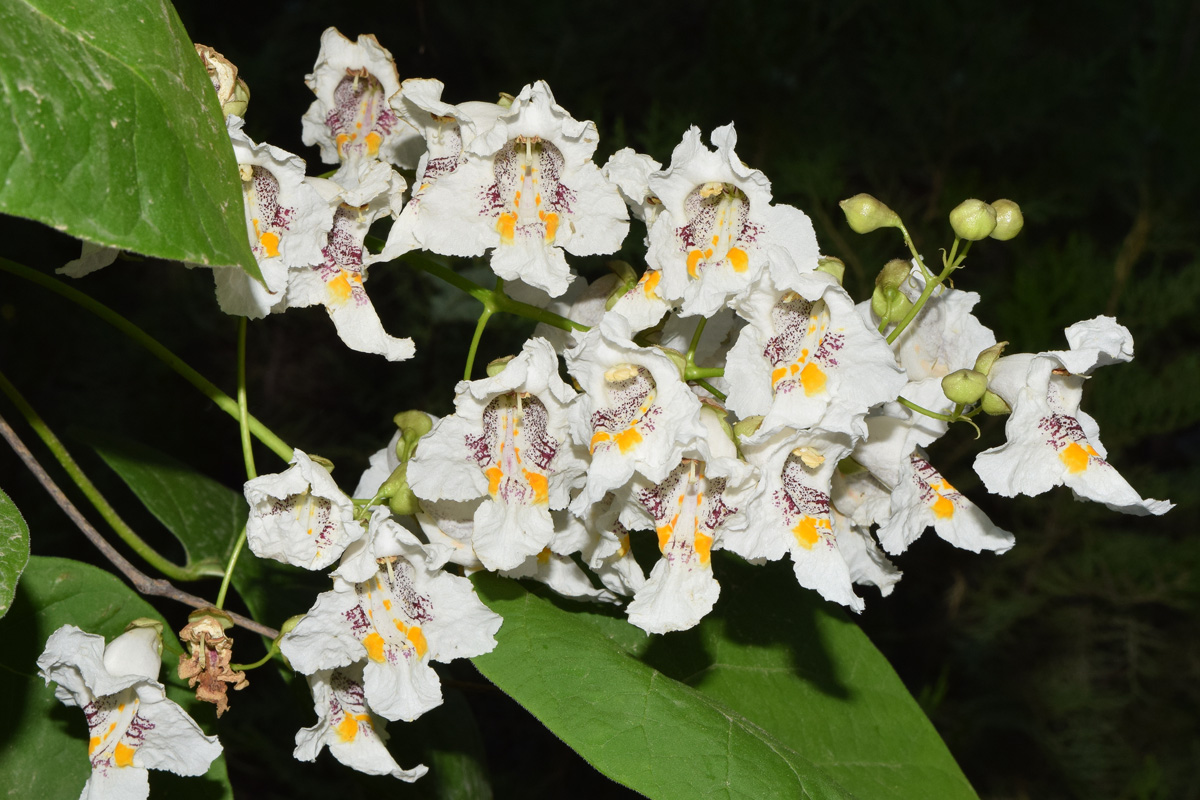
pixel 508 440
pixel 132 725
pixel 351 117
pixel 299 516
pixel 807 359
pixel 635 414
pixel 631 172
pixel 287 221
pixel 692 510
pixel 717 233
pixel 1050 441
pixel 388 607
pixel 528 191
pixel 354 735
pixel 792 513
pixel 867 564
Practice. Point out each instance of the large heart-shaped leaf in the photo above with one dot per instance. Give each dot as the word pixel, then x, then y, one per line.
pixel 45 750
pixel 675 715
pixel 14 550
pixel 110 131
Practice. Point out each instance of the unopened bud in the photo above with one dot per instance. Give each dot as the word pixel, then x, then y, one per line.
pixel 832 266
pixel 988 357
pixel 994 405
pixel 748 426
pixel 506 100
pixel 677 358
pixel 497 366
pixel 889 304
pixel 232 92
pixel 973 220
pixel 894 274
pixel 964 386
pixel 864 214
pixel 623 271
pixel 1009 220
pixel 324 462
pixel 413 425
pixel 400 498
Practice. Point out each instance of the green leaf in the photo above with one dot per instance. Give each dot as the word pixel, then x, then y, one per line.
pixel 772 657
pixel 207 518
pixel 654 734
pixel 110 131
pixel 45 743
pixel 14 550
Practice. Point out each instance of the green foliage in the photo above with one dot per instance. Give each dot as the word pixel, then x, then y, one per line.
pixel 112 132
pixel 14 550
pixel 44 744
pixel 772 693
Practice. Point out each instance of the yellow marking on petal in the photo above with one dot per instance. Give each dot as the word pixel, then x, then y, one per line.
pixel 627 438
pixel 693 261
pixel 347 729
pixel 387 605
pixel 551 221
pixel 716 240
pixel 417 638
pixel 517 198
pixel 943 508
pixel 342 138
pixel 494 474
pixel 123 755
pixel 806 532
pixel 708 253
pixel 111 727
pixel 374 644
pixel 624 548
pixel 373 142
pixel 339 288
pixel 778 374
pixel 812 379
pixel 537 199
pixel 704 547
pixel 540 486
pixel 93 743
pixel 664 536
pixel 310 531
pixel 738 259
pixel 544 556
pixel 599 437
pixel 120 707
pixel 1075 458
pixel 507 227
pixel 650 281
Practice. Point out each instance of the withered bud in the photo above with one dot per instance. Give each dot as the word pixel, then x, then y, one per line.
pixel 232 92
pixel 207 667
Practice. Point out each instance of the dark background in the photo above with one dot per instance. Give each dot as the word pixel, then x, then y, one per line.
pixel 1068 667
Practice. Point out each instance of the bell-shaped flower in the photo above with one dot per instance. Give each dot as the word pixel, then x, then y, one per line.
pixel 1050 441
pixel 635 414
pixel 300 516
pixel 807 359
pixel 287 221
pixel 792 514
pixel 718 234
pixel 603 544
pixel 389 607
pixel 867 563
pixel 693 510
pixel 362 191
pixel 919 496
pixel 643 305
pixel 528 191
pixel 132 726
pixel 346 725
pixel 508 440
pixel 631 172
pixel 351 117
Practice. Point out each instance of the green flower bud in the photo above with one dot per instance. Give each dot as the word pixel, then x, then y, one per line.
pixel 747 427
pixel 324 462
pixel 994 405
pixel 413 425
pixel 865 214
pixel 964 386
pixel 506 100
pixel 1009 220
pixel 400 498
pixel 988 357
pixel 497 366
pixel 889 304
pixel 289 625
pixel 973 220
pixel 677 358
pixel 833 266
pixel 894 274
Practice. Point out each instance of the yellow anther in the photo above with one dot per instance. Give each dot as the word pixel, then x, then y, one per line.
pixel 620 373
pixel 712 189
pixel 811 458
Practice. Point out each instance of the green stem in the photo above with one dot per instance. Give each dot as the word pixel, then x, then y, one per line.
pixel 228 576
pixel 711 389
pixel 206 387
pixel 271 651
pixel 243 408
pixel 925 411
pixel 694 373
pixel 120 527
pixel 912 248
pixel 479 326
pixel 691 353
pixel 930 286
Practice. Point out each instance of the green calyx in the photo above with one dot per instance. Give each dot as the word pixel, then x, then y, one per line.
pixel 973 220
pixel 1009 220
pixel 964 386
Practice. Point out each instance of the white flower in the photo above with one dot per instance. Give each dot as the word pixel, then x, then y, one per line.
pixel 389 607
pixel 1050 441
pixel 717 234
pixel 792 513
pixel 636 413
pixel 528 190
pixel 351 117
pixel 354 735
pixel 287 222
pixel 508 439
pixel 867 564
pixel 643 306
pixel 807 359
pixel 299 516
pixel 631 172
pixel 132 725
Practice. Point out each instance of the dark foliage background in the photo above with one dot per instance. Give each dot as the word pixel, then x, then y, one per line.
pixel 1067 668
